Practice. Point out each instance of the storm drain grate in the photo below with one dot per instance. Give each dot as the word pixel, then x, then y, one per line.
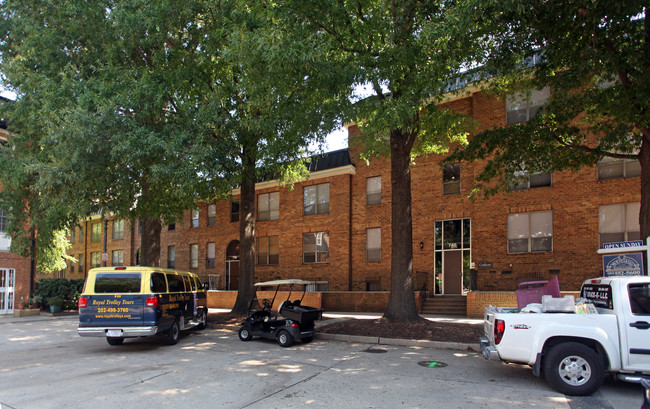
pixel 375 350
pixel 432 364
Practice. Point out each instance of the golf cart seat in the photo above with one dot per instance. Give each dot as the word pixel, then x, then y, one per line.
pixel 261 316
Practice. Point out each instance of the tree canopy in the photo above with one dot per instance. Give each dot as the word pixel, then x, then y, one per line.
pixel 144 109
pixel 594 57
pixel 408 53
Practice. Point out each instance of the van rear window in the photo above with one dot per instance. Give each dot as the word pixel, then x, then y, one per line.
pixel 118 283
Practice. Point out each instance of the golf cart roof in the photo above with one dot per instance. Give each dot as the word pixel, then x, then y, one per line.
pixel 283 282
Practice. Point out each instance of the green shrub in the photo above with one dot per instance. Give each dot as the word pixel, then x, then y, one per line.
pixel 67 290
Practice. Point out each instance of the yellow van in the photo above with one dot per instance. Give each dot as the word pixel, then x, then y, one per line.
pixel 128 302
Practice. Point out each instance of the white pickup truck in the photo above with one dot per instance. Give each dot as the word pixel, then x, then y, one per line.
pixel 574 351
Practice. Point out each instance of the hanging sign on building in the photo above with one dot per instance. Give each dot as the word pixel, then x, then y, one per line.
pixel 624 245
pixel 630 264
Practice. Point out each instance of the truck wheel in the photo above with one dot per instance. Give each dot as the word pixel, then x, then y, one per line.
pixel 114 341
pixel 203 319
pixel 245 334
pixel 574 369
pixel 171 337
pixel 285 339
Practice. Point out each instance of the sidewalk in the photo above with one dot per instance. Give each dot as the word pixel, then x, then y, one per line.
pixel 44 316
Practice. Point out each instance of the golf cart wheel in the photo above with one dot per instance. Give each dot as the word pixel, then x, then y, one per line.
pixel 114 341
pixel 245 334
pixel 574 369
pixel 171 337
pixel 285 339
pixel 307 340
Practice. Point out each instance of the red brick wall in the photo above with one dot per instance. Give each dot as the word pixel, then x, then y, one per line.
pixel 22 270
pixel 574 199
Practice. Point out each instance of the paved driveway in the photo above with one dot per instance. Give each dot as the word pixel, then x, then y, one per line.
pixel 45 364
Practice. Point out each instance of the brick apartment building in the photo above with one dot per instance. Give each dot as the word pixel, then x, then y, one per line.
pixel 335 227
pixel 14 270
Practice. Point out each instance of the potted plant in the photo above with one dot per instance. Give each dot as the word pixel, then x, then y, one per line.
pixel 55 304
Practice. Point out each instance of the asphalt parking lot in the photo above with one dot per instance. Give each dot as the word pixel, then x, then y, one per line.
pixel 45 364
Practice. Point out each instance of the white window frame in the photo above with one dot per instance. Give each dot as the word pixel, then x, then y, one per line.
pixel 117 258
pixel 527 106
pixel 373 190
pixel 195 218
pixel 212 214
pixel 194 255
pixel 210 255
pixel 268 206
pixel 373 244
pixel 171 256
pixel 316 199
pixel 626 228
pixel 627 168
pixel 534 228
pixel 96 232
pixel 118 229
pixel 312 255
pixel 95 259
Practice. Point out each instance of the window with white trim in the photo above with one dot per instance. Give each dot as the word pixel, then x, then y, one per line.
pixel 614 168
pixel 521 108
pixel 118 258
pixel 316 199
pixel 619 222
pixel 268 250
pixel 268 206
pixel 95 259
pixel 530 232
pixel 96 232
pixel 526 181
pixel 316 247
pixel 212 214
pixel 194 256
pixel 195 218
pixel 210 251
pixel 3 223
pixel 171 257
pixel 373 190
pixel 118 229
pixel 373 244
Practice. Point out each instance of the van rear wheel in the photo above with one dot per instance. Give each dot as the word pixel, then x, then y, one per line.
pixel 171 337
pixel 203 319
pixel 114 341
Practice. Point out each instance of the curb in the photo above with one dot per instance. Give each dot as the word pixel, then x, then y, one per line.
pixel 360 339
pixel 460 346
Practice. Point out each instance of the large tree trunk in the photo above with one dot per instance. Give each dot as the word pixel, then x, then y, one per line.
pixel 150 243
pixel 401 302
pixel 246 291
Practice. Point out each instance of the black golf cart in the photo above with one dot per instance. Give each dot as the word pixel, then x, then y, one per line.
pixel 296 322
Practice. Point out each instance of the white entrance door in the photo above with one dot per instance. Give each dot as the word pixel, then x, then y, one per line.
pixel 637 328
pixel 7 279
